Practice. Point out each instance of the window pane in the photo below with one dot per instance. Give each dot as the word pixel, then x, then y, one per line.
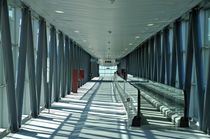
pixel 107 71
pixel 208 29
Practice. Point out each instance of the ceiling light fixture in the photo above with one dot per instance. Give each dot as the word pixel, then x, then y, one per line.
pixel 137 37
pixel 84 40
pixel 76 31
pixel 130 44
pixel 59 12
pixel 149 25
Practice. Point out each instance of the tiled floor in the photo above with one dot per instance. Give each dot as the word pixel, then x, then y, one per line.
pixel 97 113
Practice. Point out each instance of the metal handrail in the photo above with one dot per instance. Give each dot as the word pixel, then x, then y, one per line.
pixel 125 96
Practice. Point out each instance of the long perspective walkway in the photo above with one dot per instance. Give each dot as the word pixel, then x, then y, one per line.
pixel 96 111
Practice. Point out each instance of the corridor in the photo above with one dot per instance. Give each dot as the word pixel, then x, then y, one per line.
pixel 96 111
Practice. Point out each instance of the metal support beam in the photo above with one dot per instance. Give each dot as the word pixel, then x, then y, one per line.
pixel 174 54
pixel 55 67
pixel 52 49
pixel 162 78
pixel 206 112
pixel 167 55
pixel 66 67
pixel 194 45
pixel 31 70
pixel 22 63
pixel 47 100
pixel 152 63
pixel 179 50
pixel 62 68
pixel 8 66
pixel 197 44
pixel 188 76
pixel 158 57
pixel 39 61
pixel 59 66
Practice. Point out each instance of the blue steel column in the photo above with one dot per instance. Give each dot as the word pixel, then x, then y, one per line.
pixel 198 61
pixel 194 45
pixel 65 70
pixel 167 55
pixel 52 48
pixel 136 62
pixel 152 58
pixel 147 60
pixel 67 59
pixel 79 63
pixel 22 63
pixel 39 61
pixel 162 78
pixel 173 65
pixel 8 66
pixel 73 55
pixel 131 65
pixel 31 70
pixel 188 76
pixel 144 61
pixel 155 59
pixel 206 112
pixel 158 48
pixel 69 68
pixel 71 61
pixel 180 55
pixel 177 55
pixel 55 67
pixel 44 68
pixel 59 58
pixel 140 61
pixel 62 68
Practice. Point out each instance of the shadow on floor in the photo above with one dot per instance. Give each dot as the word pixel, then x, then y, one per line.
pixel 88 116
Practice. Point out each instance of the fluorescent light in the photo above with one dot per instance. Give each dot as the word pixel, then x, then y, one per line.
pixel 130 44
pixel 76 31
pixel 149 25
pixel 137 37
pixel 84 40
pixel 59 12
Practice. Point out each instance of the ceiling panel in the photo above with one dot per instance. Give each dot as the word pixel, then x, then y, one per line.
pixel 109 28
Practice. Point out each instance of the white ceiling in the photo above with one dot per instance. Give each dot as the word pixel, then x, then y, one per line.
pixel 126 19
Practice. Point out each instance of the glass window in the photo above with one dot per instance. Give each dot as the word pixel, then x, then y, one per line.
pixel 105 71
pixel 208 29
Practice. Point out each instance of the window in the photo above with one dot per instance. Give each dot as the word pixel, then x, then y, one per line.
pixel 105 71
pixel 207 27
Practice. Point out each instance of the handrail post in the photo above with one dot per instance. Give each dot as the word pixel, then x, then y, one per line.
pixel 137 119
pixel 139 103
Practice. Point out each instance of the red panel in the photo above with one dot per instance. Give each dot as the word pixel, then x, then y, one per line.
pixel 75 81
pixel 81 74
